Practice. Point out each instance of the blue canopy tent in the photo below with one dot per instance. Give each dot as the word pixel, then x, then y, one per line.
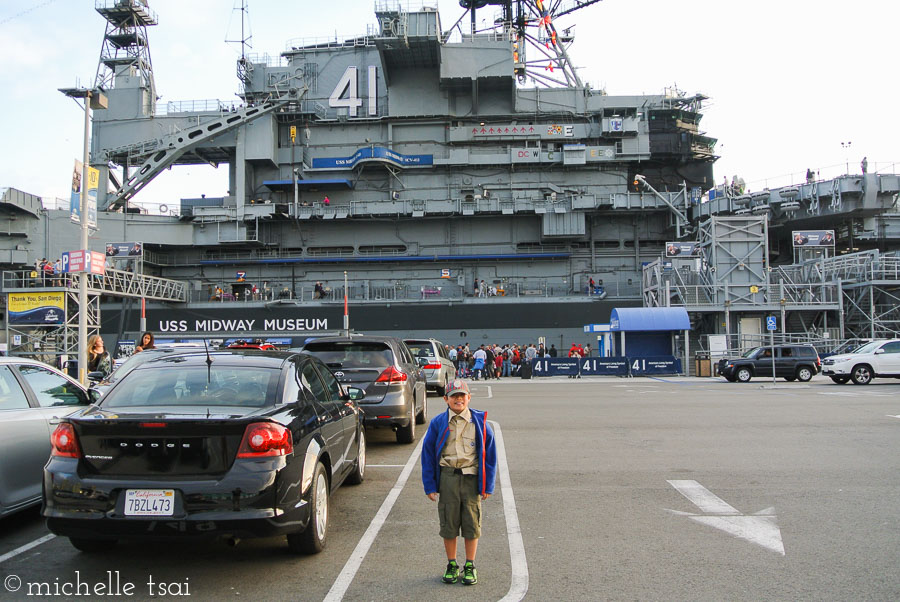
pixel 648 330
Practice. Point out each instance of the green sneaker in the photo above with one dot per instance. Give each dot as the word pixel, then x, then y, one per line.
pixel 451 575
pixel 470 575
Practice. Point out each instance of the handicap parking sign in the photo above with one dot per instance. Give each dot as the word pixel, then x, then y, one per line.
pixel 771 323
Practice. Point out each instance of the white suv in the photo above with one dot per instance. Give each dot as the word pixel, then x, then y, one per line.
pixel 878 358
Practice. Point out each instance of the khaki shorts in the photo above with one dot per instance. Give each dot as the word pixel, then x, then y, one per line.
pixel 459 505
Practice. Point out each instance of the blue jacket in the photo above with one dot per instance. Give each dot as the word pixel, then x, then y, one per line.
pixel 485 450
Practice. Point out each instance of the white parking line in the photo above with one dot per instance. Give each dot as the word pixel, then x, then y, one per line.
pixel 26 547
pixel 343 581
pixel 518 585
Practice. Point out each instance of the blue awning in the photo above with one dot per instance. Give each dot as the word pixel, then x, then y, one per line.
pixel 637 319
pixel 306 184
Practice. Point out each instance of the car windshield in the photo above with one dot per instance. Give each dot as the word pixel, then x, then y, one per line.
pixel 752 352
pixel 869 347
pixel 352 354
pixel 420 348
pixel 180 385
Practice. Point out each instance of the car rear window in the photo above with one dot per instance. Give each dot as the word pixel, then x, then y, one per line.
pixel 223 385
pixel 355 354
pixel 420 348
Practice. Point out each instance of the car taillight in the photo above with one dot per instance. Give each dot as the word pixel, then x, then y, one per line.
pixel 391 375
pixel 263 439
pixel 64 442
pixel 432 366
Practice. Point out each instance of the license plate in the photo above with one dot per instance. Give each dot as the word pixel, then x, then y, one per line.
pixel 149 502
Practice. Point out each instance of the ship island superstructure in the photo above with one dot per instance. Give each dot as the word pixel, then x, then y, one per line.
pixel 419 162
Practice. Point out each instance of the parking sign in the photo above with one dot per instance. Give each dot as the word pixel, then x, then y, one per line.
pixel 771 323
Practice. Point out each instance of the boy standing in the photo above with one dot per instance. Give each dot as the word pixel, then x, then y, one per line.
pixel 459 460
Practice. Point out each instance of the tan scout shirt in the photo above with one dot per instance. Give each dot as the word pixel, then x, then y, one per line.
pixel 459 450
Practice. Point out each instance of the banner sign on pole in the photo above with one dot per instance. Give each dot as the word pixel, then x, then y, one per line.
pixel 813 238
pixel 124 249
pixel 683 249
pixel 36 308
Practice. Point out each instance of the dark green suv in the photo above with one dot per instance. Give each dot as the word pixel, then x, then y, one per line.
pixel 792 362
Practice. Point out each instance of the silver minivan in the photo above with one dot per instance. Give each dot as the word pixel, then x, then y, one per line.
pixel 439 370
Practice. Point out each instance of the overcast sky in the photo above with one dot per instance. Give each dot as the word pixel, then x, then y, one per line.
pixel 788 80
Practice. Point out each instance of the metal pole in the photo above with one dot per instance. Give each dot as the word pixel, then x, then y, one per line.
pixel 346 313
pixel 772 343
pixel 82 278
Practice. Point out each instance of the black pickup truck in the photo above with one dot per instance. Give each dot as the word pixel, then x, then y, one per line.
pixel 792 362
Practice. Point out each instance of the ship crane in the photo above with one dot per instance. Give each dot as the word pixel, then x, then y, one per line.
pixel 531 25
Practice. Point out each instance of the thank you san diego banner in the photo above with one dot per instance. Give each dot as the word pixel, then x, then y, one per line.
pixel 37 308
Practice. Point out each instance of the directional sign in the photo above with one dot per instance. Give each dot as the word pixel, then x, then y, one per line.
pixel 759 528
pixel 771 323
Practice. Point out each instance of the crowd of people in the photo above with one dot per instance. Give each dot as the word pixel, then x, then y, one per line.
pixel 496 361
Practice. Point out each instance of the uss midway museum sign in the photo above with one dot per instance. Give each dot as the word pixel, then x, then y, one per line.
pixel 240 320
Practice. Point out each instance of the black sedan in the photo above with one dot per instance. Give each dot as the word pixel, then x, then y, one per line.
pixel 230 444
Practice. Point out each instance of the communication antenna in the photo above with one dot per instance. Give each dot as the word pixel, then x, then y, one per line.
pixel 245 67
pixel 539 50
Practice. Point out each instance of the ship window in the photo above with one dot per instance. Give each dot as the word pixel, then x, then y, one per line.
pixel 329 251
pixel 606 244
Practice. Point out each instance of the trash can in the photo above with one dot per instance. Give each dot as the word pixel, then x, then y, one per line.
pixel 525 371
pixel 702 365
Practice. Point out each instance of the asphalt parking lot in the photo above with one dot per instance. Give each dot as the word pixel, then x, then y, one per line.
pixel 608 489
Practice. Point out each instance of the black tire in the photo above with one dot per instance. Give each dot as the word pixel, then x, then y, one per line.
pixel 841 380
pixel 407 434
pixel 358 474
pixel 442 389
pixel 861 374
pixel 743 375
pixel 312 539
pixel 92 546
pixel 804 374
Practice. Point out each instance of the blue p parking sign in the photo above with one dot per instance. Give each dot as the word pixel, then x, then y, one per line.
pixel 771 323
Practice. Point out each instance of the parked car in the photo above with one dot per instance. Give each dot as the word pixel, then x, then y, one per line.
pixel 385 369
pixel 878 358
pixel 792 362
pixel 439 370
pixel 232 444
pixel 32 395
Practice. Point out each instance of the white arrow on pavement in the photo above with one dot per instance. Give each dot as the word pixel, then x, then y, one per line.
pixel 759 528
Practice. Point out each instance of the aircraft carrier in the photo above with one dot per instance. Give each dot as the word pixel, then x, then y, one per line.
pixel 464 183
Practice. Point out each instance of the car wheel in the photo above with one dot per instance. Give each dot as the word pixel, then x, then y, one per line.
pixel 841 380
pixel 312 539
pixel 804 374
pixel 861 375
pixel 442 388
pixel 743 375
pixel 407 434
pixel 358 474
pixel 92 546
pixel 422 416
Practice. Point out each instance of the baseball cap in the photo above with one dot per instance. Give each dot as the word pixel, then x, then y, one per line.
pixel 457 387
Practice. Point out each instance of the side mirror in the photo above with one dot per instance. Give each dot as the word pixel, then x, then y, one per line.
pixel 877 351
pixel 95 377
pixel 355 393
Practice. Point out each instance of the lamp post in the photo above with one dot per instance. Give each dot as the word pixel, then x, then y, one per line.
pixel 92 99
pixel 846 146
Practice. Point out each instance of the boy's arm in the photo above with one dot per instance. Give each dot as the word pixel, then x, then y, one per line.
pixel 428 462
pixel 490 459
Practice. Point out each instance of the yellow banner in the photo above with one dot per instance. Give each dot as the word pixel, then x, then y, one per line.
pixel 19 302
